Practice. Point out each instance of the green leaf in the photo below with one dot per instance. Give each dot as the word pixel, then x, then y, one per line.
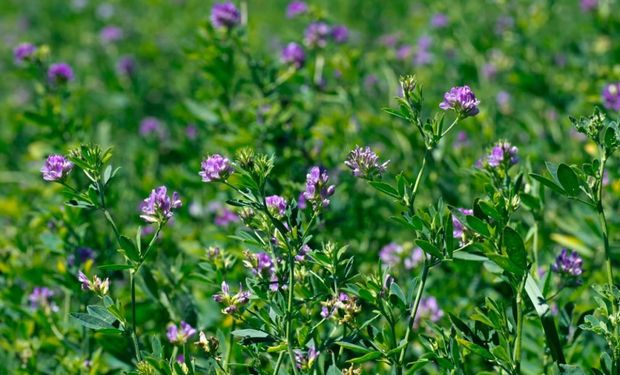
pixel 515 248
pixel 115 267
pixel 90 321
pixel 333 370
pixel 489 210
pixel 475 348
pixel 548 183
pixel 464 255
pixel 353 347
pixel 129 248
pixel 477 225
pixel 449 238
pixel 568 179
pixel 101 313
pixel 201 111
pixel 251 333
pixel 385 188
pixel 366 357
pixel 395 290
pixel 429 248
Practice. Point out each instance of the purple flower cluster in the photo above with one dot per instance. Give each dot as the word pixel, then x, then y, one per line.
pixel 304 361
pixel 293 54
pixel 158 207
pixel 82 255
pixel 458 230
pixel 461 100
pixel 439 20
pixel 56 168
pixel 231 302
pixel 341 308
pixel 216 168
pixel 503 153
pixel 179 335
pixel 263 266
pixel 111 34
pixel 225 15
pixel 98 286
pixel 301 254
pixel 393 254
pixel 60 73
pixel 611 96
pixel 23 52
pixel 317 190
pixel 276 205
pixel 296 8
pixel 317 34
pixel 422 54
pixel 340 34
pixel 588 5
pixel 569 264
pixel 365 163
pixel 428 310
pixel 40 298
pixel 152 125
pixel 126 66
pixel 225 217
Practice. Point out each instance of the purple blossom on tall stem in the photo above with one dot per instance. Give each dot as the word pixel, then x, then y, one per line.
pixel 111 34
pixel 296 8
pixel 439 20
pixel 316 34
pixel 503 153
pixel 461 100
pixel 293 54
pixel 56 168
pixel 276 204
pixel 126 66
pixel 151 125
pixel 60 73
pixel 159 206
pixel 231 302
pixel 40 298
pixel 569 264
pixel 97 285
pixel 458 230
pixel 340 33
pixel 179 335
pixel 611 96
pixel 225 15
pixel 365 163
pixel 23 52
pixel 428 310
pixel 216 168
pixel 317 190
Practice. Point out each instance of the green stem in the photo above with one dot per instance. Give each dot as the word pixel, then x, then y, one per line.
pixel 414 311
pixel 603 223
pixel 134 335
pixel 418 179
pixel 149 247
pixel 229 348
pixel 517 348
pixel 450 127
pixel 278 363
pixel 289 310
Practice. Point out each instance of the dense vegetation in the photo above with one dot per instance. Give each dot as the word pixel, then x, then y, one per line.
pixel 321 187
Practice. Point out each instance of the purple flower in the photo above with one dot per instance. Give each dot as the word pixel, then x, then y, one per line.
pixel 180 335
pixel 503 24
pixel 317 191
pixel 216 168
pixel 428 310
pixel 462 100
pixel 489 71
pixel 158 207
pixel 111 34
pixel 191 131
pixel 316 34
pixel 126 66
pixel 439 20
pixel 231 302
pixel 60 73
pixel 82 255
pixel 340 33
pixel 293 54
pixel 503 99
pixel 416 256
pixel 458 231
pixel 23 52
pixel 296 8
pixel 301 254
pixel 365 163
pixel 503 152
pixel 390 254
pixel 151 125
pixel 40 299
pixel 462 140
pixel 588 5
pixel 225 217
pixel 568 264
pixel 276 204
pixel 97 285
pixel 611 96
pixel 225 15
pixel 304 361
pixel 56 168
pixel 404 52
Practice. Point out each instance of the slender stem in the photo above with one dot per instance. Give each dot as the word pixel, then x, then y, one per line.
pixel 535 249
pixel 289 310
pixel 418 179
pixel 278 363
pixel 456 120
pixel 229 348
pixel 414 311
pixel 134 335
pixel 603 221
pixel 517 348
pixel 149 247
